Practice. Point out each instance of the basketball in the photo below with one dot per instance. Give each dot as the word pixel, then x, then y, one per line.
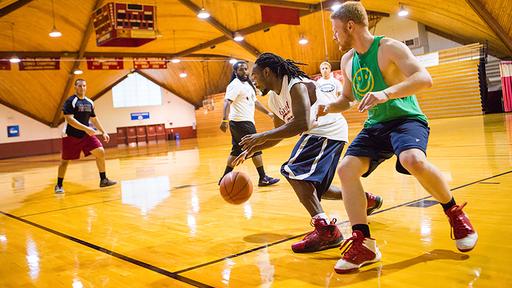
pixel 236 187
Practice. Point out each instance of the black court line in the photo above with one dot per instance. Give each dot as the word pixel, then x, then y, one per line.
pixel 339 223
pixel 112 253
pixel 175 275
pixel 489 183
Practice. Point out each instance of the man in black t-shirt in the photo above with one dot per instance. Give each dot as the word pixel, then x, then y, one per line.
pixel 78 110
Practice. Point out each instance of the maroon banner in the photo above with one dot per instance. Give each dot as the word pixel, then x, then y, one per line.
pixel 5 65
pixel 105 64
pixel 150 63
pixel 279 15
pixel 30 64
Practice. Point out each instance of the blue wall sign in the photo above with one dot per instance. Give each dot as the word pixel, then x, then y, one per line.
pixel 13 131
pixel 139 115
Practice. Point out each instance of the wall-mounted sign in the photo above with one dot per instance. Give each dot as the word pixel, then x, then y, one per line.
pixel 105 64
pixel 13 131
pixel 30 64
pixel 149 63
pixel 139 115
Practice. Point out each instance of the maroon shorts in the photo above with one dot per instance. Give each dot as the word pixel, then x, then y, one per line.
pixel 72 146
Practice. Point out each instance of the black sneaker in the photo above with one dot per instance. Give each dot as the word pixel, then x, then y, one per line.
pixel 267 181
pixel 107 182
pixel 58 189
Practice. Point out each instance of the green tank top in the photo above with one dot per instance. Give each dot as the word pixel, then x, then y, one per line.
pixel 366 77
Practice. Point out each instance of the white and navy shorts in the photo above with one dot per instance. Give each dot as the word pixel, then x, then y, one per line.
pixel 314 159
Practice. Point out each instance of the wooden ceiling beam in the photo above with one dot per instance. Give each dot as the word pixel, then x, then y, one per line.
pixel 13 7
pixel 76 64
pixel 219 26
pixel 487 17
pixel 5 55
pixel 262 26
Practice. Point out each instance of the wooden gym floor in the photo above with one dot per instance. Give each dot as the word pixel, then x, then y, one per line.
pixel 165 224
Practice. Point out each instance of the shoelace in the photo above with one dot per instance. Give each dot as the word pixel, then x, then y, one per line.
pixel 352 246
pixel 458 226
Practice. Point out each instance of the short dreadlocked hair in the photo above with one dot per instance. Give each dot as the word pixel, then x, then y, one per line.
pixel 280 66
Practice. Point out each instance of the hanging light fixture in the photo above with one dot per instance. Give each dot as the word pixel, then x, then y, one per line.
pixel 232 61
pixel 175 60
pixel 203 14
pixel 403 12
pixel 335 6
pixel 54 33
pixel 183 74
pixel 303 40
pixel 14 58
pixel 78 71
pixel 238 37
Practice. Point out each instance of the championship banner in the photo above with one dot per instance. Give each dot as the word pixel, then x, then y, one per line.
pixel 31 64
pixel 150 63
pixel 5 65
pixel 105 64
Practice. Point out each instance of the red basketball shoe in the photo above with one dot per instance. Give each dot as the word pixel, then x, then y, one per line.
pixel 462 231
pixel 359 251
pixel 324 236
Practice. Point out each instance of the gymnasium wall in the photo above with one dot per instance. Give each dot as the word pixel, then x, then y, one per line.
pixel 173 109
pixel 37 139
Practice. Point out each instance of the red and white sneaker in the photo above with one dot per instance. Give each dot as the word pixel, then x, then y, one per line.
pixel 374 202
pixel 462 231
pixel 359 251
pixel 324 236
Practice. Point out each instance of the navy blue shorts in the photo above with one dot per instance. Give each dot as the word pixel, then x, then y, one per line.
pixel 314 159
pixel 238 130
pixel 381 141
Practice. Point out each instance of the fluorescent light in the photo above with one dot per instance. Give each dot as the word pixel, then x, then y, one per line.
pixel 183 74
pixel 238 37
pixel 232 61
pixel 14 59
pixel 175 60
pixel 78 72
pixel 55 33
pixel 203 14
pixel 403 12
pixel 303 41
pixel 335 7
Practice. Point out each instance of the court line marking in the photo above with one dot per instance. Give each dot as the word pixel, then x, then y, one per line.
pixel 111 253
pixel 339 224
pixel 175 275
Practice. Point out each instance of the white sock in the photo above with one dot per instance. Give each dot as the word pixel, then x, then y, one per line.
pixel 322 216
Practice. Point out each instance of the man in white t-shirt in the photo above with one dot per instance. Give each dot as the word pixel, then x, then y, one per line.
pixel 239 104
pixel 327 83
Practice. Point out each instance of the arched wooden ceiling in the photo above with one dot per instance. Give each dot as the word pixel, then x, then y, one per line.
pixel 205 45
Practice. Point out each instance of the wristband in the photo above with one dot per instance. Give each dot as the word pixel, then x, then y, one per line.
pixel 225 121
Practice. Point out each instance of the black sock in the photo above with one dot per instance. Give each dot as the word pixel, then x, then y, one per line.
pixel 261 171
pixel 363 228
pixel 448 205
pixel 228 169
pixel 59 181
pixel 103 175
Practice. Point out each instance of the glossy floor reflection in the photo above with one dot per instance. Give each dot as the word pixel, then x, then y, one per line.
pixel 165 224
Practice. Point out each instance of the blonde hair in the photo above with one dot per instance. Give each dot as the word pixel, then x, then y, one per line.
pixel 351 11
pixel 326 63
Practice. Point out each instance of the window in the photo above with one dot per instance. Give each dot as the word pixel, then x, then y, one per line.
pixel 135 91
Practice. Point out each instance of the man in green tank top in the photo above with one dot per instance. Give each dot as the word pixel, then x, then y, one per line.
pixel 383 75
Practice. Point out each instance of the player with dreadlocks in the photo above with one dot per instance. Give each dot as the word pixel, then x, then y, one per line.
pixel 239 103
pixel 311 167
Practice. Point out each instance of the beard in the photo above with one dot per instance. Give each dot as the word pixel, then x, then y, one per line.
pixel 242 78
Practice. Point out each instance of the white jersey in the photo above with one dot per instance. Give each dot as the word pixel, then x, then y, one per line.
pixel 331 87
pixel 332 126
pixel 243 98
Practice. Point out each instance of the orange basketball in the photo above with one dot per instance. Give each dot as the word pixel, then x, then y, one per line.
pixel 236 187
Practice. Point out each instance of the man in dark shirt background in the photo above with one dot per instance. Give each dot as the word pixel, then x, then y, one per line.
pixel 78 109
